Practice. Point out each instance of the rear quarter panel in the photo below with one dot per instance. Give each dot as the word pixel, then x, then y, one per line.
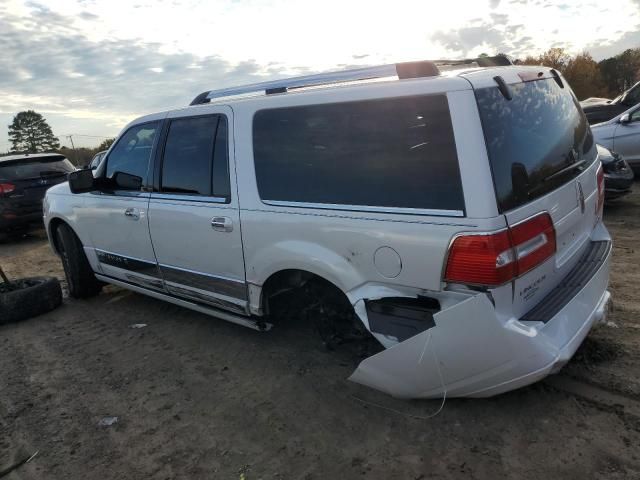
pixel 341 245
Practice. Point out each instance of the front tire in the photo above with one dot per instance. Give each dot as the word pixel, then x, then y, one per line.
pixel 80 277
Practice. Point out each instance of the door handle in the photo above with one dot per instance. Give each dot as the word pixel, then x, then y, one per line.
pixel 222 224
pixel 132 213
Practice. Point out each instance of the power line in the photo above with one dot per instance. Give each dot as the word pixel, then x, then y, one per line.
pixel 82 135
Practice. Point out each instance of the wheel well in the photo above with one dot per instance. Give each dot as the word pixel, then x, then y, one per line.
pixel 292 295
pixel 53 227
pixel 286 282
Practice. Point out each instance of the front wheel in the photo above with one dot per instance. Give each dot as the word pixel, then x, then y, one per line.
pixel 80 277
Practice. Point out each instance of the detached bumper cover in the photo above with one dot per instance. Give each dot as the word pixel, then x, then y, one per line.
pixel 470 352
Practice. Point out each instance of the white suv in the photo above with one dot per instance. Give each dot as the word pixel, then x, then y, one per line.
pixel 453 215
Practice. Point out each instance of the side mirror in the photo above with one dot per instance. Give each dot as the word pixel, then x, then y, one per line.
pixel 626 118
pixel 126 181
pixel 81 181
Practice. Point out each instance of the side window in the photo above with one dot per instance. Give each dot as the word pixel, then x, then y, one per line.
pixel 633 96
pixel 635 116
pixel 395 152
pixel 191 146
pixel 132 152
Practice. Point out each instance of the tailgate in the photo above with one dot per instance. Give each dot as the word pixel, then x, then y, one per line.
pixel 543 159
pixel 572 208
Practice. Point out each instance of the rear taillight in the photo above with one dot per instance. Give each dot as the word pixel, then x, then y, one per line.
pixel 497 258
pixel 600 181
pixel 6 188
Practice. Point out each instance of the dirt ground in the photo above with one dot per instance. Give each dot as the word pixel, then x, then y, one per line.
pixel 200 398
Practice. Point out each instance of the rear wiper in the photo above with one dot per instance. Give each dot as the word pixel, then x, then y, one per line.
pixel 571 167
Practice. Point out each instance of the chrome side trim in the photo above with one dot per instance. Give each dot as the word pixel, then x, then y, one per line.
pixel 188 198
pixel 207 298
pixel 229 317
pixel 367 208
pixel 125 262
pixel 146 282
pixel 203 281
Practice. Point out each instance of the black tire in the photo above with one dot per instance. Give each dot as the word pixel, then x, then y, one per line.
pixel 80 277
pixel 34 296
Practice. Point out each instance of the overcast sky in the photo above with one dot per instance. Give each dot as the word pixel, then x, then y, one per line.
pixel 90 66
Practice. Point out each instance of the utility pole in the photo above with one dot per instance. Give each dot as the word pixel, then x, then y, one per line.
pixel 70 137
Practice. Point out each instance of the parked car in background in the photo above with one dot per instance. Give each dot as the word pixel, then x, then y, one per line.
pixel 24 179
pixel 621 134
pixel 603 109
pixel 452 218
pixel 95 161
pixel 618 175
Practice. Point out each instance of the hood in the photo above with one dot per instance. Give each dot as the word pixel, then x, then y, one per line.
pixel 606 155
pixel 595 106
pixel 60 189
pixel 595 101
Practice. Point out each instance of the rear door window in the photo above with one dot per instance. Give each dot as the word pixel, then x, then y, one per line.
pixel 390 153
pixel 195 160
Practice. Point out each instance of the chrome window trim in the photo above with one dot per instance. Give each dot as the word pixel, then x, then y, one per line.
pixel 367 208
pixel 122 193
pixel 189 198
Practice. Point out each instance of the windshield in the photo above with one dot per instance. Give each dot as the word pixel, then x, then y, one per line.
pixel 535 140
pixel 35 168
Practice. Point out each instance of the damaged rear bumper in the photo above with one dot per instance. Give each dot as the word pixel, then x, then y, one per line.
pixel 469 351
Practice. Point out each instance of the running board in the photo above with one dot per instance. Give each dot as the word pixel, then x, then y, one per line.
pixel 214 312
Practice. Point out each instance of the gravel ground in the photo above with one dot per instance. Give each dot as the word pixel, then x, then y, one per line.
pixel 199 398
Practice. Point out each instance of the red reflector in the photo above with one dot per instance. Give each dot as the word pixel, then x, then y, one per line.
pixel 6 188
pixel 600 182
pixel 494 259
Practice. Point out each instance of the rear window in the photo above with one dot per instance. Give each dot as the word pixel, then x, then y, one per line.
pixel 534 139
pixel 397 153
pixel 35 168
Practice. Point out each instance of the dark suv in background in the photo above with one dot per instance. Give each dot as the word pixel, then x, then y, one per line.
pixel 600 110
pixel 24 179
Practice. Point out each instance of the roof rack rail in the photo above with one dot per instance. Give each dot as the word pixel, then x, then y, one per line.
pixel 495 61
pixel 401 70
pixel 425 68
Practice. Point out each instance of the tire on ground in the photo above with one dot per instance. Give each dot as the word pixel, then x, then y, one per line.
pixel 39 295
pixel 80 277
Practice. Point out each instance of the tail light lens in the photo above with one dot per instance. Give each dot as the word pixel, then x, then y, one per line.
pixel 497 258
pixel 6 188
pixel 600 181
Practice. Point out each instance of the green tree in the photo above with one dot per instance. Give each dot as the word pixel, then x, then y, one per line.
pixel 621 71
pixel 584 76
pixel 30 133
pixel 105 144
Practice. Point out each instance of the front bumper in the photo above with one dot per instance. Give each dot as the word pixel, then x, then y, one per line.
pixel 471 352
pixel 618 184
